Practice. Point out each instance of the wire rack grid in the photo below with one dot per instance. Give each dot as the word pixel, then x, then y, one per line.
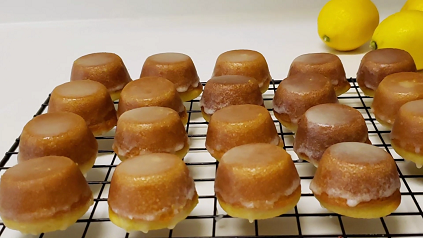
pixel 307 219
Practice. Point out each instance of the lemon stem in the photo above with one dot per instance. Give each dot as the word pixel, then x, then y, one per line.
pixel 326 38
pixel 373 45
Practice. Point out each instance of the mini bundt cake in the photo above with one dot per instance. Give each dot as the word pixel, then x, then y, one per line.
pixel 150 130
pixel 393 92
pixel 238 125
pixel 357 180
pixel 327 64
pixel 324 125
pixel 223 91
pixel 87 98
pixel 248 63
pixel 43 195
pixel 106 68
pixel 299 92
pixel 151 91
pixel 377 64
pixel 177 68
pixel 151 192
pixel 407 132
pixel 61 134
pixel 257 181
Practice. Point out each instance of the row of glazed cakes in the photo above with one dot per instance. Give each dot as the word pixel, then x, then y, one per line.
pixel 239 77
pixel 59 121
pixel 155 191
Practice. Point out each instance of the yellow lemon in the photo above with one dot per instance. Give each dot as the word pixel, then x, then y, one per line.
pixel 413 5
pixel 346 25
pixel 402 30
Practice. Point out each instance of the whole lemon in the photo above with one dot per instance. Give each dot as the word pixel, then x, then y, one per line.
pixel 402 30
pixel 413 5
pixel 346 25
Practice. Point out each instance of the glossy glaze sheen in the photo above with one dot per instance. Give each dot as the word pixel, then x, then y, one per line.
pixel 327 124
pixel 105 68
pixel 60 133
pixel 237 125
pixel 88 99
pixel 327 64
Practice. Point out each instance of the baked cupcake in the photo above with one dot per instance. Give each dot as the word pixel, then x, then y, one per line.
pixel 150 130
pixel 223 91
pixel 327 124
pixel 106 68
pixel 61 134
pixel 151 192
pixel 393 92
pixel 248 63
pixel 357 180
pixel 377 64
pixel 237 125
pixel 257 181
pixel 407 132
pixel 43 195
pixel 299 92
pixel 327 64
pixel 151 91
pixel 90 100
pixel 177 68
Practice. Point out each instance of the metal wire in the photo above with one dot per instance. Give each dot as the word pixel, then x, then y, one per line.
pixel 358 97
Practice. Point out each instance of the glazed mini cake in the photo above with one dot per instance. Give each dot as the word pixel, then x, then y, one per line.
pixel 151 192
pixel 177 68
pixel 327 64
pixel 106 68
pixel 377 64
pixel 88 99
pixel 61 134
pixel 223 91
pixel 150 130
pixel 299 92
pixel 43 195
pixel 257 181
pixel 357 180
pixel 151 91
pixel 238 125
pixel 407 132
pixel 248 63
pixel 327 124
pixel 393 92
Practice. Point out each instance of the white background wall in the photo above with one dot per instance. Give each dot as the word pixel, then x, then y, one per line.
pixel 39 40
pixel 58 10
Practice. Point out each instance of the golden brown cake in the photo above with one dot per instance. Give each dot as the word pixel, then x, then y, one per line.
pixel 151 192
pixel 238 125
pixel 151 91
pixel 43 195
pixel 223 91
pixel 357 180
pixel 327 64
pixel 177 68
pixel 257 181
pixel 377 64
pixel 248 63
pixel 299 92
pixel 327 124
pixel 150 130
pixel 393 92
pixel 61 134
pixel 407 132
pixel 105 68
pixel 90 100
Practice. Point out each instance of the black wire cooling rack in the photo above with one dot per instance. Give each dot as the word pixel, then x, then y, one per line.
pixel 307 219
